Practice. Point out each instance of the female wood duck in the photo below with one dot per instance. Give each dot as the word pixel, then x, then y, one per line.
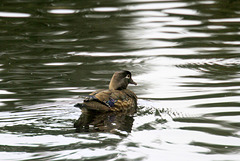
pixel 116 98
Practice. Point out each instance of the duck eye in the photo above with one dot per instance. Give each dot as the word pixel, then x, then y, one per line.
pixel 128 76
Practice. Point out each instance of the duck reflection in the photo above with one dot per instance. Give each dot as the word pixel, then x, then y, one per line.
pixel 112 122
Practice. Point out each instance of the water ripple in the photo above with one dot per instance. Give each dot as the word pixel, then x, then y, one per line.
pixel 181 11
pixel 14 14
pixel 156 6
pixel 184 55
pixel 106 9
pixel 63 11
pixel 225 20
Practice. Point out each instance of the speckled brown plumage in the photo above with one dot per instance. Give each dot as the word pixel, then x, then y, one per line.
pixel 117 98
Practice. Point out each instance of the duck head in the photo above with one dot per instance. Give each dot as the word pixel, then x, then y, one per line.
pixel 120 80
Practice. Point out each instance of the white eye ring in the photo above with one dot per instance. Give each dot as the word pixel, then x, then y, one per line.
pixel 128 76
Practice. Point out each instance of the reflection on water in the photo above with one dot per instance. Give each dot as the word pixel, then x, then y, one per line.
pixel 104 122
pixel 11 14
pixel 183 54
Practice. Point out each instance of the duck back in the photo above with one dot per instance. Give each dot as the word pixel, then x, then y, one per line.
pixel 110 100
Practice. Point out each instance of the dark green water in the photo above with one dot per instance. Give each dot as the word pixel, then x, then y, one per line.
pixel 184 55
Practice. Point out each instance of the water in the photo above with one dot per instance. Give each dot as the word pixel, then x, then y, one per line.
pixel 184 55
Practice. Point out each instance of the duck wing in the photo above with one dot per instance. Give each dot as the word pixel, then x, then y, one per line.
pixel 110 100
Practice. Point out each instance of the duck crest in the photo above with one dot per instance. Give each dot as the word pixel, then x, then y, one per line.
pixel 116 98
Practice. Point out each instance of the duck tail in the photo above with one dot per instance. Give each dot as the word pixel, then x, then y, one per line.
pixel 79 105
pixel 86 99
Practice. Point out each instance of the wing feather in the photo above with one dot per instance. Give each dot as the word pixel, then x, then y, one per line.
pixel 112 100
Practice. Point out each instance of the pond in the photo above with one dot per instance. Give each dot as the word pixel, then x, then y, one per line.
pixel 184 55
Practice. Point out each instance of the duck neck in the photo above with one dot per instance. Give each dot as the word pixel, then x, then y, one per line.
pixel 116 84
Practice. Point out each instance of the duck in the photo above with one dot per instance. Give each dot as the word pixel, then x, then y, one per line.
pixel 117 98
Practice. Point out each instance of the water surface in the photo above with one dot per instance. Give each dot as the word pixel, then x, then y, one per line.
pixel 184 55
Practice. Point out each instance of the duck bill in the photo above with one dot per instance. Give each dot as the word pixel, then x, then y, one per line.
pixel 132 82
